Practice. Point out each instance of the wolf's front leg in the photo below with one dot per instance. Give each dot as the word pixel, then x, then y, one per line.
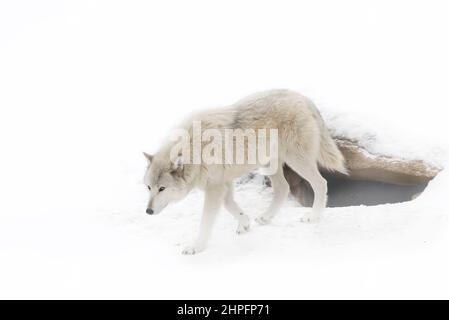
pixel 235 210
pixel 280 190
pixel 213 201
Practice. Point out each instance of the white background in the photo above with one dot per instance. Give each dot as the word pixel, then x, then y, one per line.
pixel 85 86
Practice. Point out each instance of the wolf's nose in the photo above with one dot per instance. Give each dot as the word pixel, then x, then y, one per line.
pixel 149 211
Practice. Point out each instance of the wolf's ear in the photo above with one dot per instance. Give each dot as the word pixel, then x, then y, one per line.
pixel 178 164
pixel 149 157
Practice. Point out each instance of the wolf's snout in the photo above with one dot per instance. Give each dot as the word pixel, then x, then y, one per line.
pixel 149 211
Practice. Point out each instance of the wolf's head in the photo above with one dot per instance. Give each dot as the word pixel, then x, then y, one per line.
pixel 165 182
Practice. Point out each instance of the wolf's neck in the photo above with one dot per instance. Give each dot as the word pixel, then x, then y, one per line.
pixel 193 176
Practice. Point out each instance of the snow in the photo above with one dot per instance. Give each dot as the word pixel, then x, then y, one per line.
pixel 85 86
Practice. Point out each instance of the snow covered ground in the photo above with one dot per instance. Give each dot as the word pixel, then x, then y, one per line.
pixel 85 86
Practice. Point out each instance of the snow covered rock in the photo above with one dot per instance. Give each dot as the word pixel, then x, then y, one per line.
pixel 400 179
pixel 363 165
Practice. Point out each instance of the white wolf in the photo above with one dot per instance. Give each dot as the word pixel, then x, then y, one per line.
pixel 303 143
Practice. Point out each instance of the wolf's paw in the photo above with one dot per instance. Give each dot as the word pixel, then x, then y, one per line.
pixel 243 225
pixel 263 220
pixel 310 217
pixel 190 250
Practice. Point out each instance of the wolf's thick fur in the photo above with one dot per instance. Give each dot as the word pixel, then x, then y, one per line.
pixel 304 144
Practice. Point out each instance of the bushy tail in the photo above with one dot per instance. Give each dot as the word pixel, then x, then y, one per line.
pixel 330 157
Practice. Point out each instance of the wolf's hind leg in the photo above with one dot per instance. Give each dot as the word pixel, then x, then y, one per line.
pixel 235 210
pixel 280 189
pixel 309 171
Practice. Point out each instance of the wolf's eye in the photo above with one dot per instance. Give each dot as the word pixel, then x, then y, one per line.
pixel 149 188
pixel 161 189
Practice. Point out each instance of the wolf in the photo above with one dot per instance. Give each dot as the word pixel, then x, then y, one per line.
pixel 303 143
